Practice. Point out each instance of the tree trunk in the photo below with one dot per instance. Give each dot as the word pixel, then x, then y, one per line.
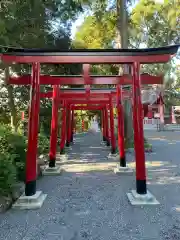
pixel 122 38
pixel 11 102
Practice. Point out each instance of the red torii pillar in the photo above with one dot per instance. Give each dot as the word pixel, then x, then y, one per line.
pixel 113 140
pixel 107 125
pixel 141 187
pixel 161 112
pixel 103 124
pixel 67 123
pixel 63 129
pixel 72 125
pixel 54 127
pixel 31 161
pixel 120 112
pixel 68 139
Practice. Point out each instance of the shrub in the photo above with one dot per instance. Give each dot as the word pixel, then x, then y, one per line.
pixel 17 145
pixel 5 132
pixel 14 144
pixel 7 174
pixel 43 144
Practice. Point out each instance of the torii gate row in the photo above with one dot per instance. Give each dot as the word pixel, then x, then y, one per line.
pixel 92 80
pixel 69 135
pixel 97 94
pixel 72 93
pixel 68 117
pixel 104 119
pixel 105 127
pixel 133 57
pixel 101 104
pixel 89 107
pixel 83 99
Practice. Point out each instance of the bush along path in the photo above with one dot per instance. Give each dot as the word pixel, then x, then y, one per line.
pixel 13 148
pixel 148 146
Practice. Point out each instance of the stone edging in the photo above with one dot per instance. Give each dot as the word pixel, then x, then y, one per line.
pixel 131 150
pixel 6 202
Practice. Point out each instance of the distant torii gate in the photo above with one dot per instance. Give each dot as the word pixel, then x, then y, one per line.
pixel 133 57
pixel 67 105
pixel 102 96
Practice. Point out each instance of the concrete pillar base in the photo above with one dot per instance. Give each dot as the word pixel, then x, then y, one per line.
pixel 113 156
pixel 106 147
pixel 30 202
pixel 119 170
pixel 61 158
pixel 51 171
pixel 145 199
pixel 68 148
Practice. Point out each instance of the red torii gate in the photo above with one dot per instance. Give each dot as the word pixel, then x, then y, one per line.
pixel 82 100
pixel 81 94
pixel 79 80
pixel 68 95
pixel 133 57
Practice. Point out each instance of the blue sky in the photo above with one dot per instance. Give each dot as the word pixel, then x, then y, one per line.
pixel 77 23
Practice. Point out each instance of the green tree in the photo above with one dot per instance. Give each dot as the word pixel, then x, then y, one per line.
pixel 160 23
pixel 147 23
pixel 33 24
pixel 108 27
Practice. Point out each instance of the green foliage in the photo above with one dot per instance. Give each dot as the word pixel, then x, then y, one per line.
pixel 159 23
pixel 7 173
pixel 45 117
pixel 14 144
pixel 130 144
pixel 38 24
pixel 33 21
pixel 95 34
pixel 17 144
pixel 149 25
pixel 43 143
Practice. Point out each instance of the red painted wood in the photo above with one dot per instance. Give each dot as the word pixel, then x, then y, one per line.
pixel 72 125
pixel 87 59
pixel 87 107
pixel 92 101
pixel 113 140
pixel 22 115
pixel 98 95
pixel 69 125
pixel 63 127
pixel 33 125
pixel 120 113
pixel 138 125
pixel 106 122
pixel 103 123
pixel 79 80
pixel 54 124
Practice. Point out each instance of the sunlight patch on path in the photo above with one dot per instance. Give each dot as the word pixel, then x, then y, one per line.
pixel 89 167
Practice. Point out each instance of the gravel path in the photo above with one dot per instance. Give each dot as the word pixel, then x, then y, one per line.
pixel 88 201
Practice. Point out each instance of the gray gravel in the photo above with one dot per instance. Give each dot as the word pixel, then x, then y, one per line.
pixel 88 201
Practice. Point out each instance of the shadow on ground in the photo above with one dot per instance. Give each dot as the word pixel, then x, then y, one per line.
pixel 88 201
